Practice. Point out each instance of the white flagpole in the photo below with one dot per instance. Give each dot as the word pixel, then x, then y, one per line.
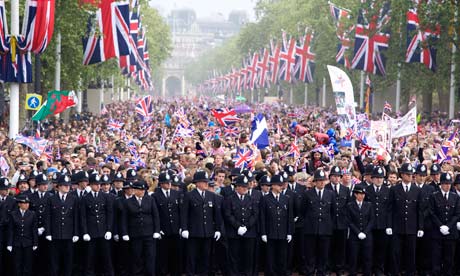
pixel 14 87
pixel 361 91
pixel 398 89
pixel 452 70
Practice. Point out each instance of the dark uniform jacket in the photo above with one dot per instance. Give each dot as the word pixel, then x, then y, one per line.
pixel 318 213
pixel 96 214
pixel 360 220
pixel 201 217
pixel 62 220
pixel 445 213
pixel 6 206
pixel 118 215
pixel 406 210
pixel 240 213
pixel 381 204
pixel 143 220
pixel 22 230
pixel 169 211
pixel 276 217
pixel 227 191
pixel 341 200
pixel 38 205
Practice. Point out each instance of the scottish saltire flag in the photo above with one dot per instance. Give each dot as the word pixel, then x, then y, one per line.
pixel 371 40
pixel 4 167
pixel 38 25
pixel 259 132
pixel 225 116
pixel 114 125
pixel 36 145
pixel 144 107
pixel 243 158
pixel 419 41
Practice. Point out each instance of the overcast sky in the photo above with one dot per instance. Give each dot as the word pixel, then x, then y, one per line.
pixel 206 8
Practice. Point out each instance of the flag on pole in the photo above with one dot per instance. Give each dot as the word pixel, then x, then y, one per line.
pixel 36 145
pixel 57 102
pixel 259 134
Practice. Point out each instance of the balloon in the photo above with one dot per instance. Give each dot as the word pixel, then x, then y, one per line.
pixel 322 138
pixel 300 130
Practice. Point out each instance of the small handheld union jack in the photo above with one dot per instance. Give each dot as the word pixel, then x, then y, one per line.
pixel 231 131
pixel 243 157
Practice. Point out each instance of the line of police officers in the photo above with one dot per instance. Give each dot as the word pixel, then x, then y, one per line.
pixel 274 225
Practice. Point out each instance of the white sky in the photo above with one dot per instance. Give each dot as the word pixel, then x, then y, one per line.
pixel 206 8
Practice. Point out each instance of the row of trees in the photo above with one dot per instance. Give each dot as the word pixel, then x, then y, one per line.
pixel 294 15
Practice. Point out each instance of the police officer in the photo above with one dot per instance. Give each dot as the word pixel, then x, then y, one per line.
pixel 424 250
pixel 379 196
pixel 96 212
pixel 61 227
pixel 318 209
pixel 445 214
pixel 142 223
pixel 261 247
pixel 276 226
pixel 200 222
pixel 38 201
pixel 435 173
pixel 118 181
pixel 7 204
pixel 22 236
pixel 339 235
pixel 406 222
pixel 23 184
pixel 230 189
pixel 120 235
pixel 360 217
pixel 168 204
pixel 241 214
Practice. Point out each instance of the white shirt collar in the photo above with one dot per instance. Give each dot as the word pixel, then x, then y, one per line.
pixel 165 191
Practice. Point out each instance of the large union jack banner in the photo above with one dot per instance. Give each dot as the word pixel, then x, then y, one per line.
pixel 343 34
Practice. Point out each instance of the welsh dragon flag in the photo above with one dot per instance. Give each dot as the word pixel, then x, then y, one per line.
pixel 57 102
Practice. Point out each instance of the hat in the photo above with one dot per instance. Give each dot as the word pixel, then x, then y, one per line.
pixel 277 180
pixel 64 180
pixel 131 174
pixel 241 181
pixel 457 179
pixel 81 176
pixel 406 168
pixel 176 181
pixel 118 177
pixel 335 170
pixel 319 175
pixel 4 183
pixel 289 170
pixel 55 177
pixel 139 185
pixel 94 178
pixel 127 184
pixel 22 198
pixel 41 179
pixel 200 176
pixel 445 178
pixel 378 172
pixel 235 172
pixel 33 174
pixel 421 170
pixel 164 177
pixel 369 169
pixel 248 174
pixel 211 183
pixel 22 178
pixel 105 179
pixel 359 190
pixel 265 180
pixel 435 169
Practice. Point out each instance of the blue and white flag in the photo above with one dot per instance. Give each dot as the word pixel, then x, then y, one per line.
pixel 259 134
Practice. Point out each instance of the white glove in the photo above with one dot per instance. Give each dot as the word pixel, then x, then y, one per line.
pixel 34 248
pixel 289 238
pixel 9 248
pixel 86 237
pixel 361 236
pixel 264 238
pixel 458 225
pixel 125 238
pixel 420 233
pixel 296 219
pixel 185 234
pixel 389 231
pixel 76 238
pixel 242 230
pixel 162 233
pixel 116 238
pixel 40 231
pixel 108 235
pixel 49 238
pixel 156 236
pixel 217 235
pixel 444 230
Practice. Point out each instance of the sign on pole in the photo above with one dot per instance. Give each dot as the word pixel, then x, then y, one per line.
pixel 33 101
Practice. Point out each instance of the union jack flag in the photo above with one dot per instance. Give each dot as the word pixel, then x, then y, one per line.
pixel 419 46
pixel 48 153
pixel 252 70
pixel 38 26
pixel 287 58
pixel 132 148
pixel 114 125
pixel 211 133
pixel 350 134
pixel 243 157
pixel 183 120
pixel 36 145
pixel 225 116
pixel 231 131
pixel 294 149
pixel 104 110
pixel 305 65
pixel 182 131
pixel 274 61
pixel 144 107
pixel 371 40
pixel 263 66
pixel 363 148
pixel 339 14
pixel 146 130
pixel 164 135
pixel 387 106
pixel 4 167
pixel 446 148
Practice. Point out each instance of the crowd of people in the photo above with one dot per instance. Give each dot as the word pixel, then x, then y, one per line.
pixel 142 200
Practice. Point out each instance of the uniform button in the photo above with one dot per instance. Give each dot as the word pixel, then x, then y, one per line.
pixel 205 222
pixel 376 203
pixel 405 218
pixel 337 215
pixel 62 223
pixel 171 221
pixel 97 221
pixel 377 215
pixel 204 217
pixel 320 208
pixel 278 225
pixel 319 220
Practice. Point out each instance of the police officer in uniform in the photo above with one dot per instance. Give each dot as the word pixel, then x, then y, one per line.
pixel 38 201
pixel 360 217
pixel 339 235
pixel 241 214
pixel 230 189
pixel 120 235
pixel 61 228
pixel 7 204
pixel 261 247
pixel 435 173
pixel 318 208
pixel 200 222
pixel 142 223
pixel 406 222
pixel 276 226
pixel 168 205
pixel 379 196
pixel 22 236
pixel 96 212
pixel 445 214
pixel 118 182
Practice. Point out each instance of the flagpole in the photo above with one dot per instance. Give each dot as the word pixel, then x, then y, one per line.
pixel 452 69
pixel 291 93
pixel 14 87
pixel 361 91
pixel 323 104
pixel 57 72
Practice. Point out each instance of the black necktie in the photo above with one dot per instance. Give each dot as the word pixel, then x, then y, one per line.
pixel 167 194
pixel 63 198
pixel 277 198
pixel 378 189
pixel 202 195
pixel 359 205
pixel 445 196
pixel 407 188
pixel 319 194
pixel 242 197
